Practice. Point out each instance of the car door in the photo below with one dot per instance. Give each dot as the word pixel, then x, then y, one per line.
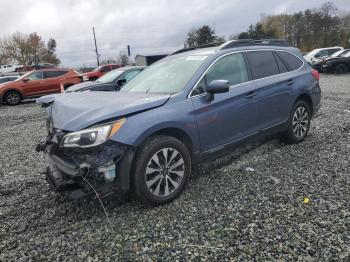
pixel 33 84
pixel 229 116
pixel 274 87
pixel 52 81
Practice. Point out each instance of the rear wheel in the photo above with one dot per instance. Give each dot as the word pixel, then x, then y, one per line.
pixel 341 69
pixel 12 98
pixel 162 170
pixel 299 122
pixel 92 79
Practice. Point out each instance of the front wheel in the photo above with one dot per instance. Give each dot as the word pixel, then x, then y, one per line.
pixel 299 122
pixel 341 69
pixel 162 170
pixel 12 98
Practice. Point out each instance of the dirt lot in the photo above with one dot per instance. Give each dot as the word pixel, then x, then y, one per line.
pixel 249 204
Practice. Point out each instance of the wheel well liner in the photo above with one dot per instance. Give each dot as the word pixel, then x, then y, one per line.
pixel 307 99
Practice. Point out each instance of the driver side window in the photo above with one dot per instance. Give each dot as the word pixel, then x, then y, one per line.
pixel 36 76
pixel 231 68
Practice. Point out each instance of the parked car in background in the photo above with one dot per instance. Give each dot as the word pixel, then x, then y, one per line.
pixel 315 56
pixel 99 71
pixel 5 79
pixel 38 83
pixel 339 64
pixel 318 64
pixel 112 81
pixel 5 69
pixel 177 112
pixel 42 66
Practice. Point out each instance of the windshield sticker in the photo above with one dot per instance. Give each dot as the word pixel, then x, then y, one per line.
pixel 196 57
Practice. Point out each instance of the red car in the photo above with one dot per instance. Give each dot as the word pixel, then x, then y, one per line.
pixel 99 71
pixel 38 83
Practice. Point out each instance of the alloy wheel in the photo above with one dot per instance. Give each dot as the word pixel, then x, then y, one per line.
pixel 300 122
pixel 12 98
pixel 165 172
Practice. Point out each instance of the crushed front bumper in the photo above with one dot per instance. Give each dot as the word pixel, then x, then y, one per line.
pixel 78 172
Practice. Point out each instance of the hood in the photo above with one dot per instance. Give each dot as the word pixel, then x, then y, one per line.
pixel 337 58
pixel 78 110
pixel 83 86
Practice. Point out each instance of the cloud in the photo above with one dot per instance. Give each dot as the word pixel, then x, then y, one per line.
pixel 148 26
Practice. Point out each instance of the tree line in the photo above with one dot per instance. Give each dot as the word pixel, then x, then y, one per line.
pixel 27 49
pixel 313 28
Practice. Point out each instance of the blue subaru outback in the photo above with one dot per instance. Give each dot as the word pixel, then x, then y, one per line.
pixel 182 109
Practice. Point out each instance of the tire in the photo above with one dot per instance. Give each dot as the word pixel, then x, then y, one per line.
pixel 298 123
pixel 92 79
pixel 341 69
pixel 12 98
pixel 158 179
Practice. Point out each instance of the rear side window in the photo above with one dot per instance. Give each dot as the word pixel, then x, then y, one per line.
pixel 292 61
pixel 263 64
pixel 51 74
pixel 281 65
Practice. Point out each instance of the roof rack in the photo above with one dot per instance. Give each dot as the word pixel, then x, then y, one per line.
pixel 197 47
pixel 237 43
pixel 250 42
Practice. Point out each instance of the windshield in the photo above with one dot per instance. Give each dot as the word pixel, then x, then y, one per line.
pixel 24 76
pixel 337 53
pixel 167 77
pixel 97 69
pixel 110 76
pixel 345 54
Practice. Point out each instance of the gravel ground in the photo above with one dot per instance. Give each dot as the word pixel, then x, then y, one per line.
pixel 250 204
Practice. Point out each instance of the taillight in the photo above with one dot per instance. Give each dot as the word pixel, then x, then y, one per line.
pixel 315 74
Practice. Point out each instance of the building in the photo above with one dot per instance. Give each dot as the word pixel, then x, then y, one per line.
pixel 146 60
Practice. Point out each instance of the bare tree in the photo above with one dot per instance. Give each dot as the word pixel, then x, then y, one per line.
pixel 123 58
pixel 27 49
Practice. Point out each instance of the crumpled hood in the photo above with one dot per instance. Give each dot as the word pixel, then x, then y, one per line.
pixel 78 110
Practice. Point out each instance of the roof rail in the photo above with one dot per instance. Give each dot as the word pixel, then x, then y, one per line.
pixel 249 42
pixel 197 47
pixel 237 43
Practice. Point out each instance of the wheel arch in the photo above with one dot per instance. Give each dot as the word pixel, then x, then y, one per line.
pixel 175 133
pixel 15 90
pixel 306 98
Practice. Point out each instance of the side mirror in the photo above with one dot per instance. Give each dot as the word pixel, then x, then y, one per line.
pixel 317 55
pixel 121 82
pixel 25 79
pixel 217 87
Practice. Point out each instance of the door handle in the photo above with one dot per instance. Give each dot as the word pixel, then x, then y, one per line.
pixel 251 95
pixel 290 82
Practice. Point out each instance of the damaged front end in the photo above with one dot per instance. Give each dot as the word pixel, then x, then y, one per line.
pixel 78 171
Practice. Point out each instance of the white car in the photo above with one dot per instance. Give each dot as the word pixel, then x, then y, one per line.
pixel 314 56
pixel 5 69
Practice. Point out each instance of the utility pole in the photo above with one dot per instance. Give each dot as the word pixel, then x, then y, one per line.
pixel 97 55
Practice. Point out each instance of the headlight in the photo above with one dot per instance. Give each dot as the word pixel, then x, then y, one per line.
pixel 92 136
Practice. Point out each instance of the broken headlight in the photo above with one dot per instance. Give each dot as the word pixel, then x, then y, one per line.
pixel 92 136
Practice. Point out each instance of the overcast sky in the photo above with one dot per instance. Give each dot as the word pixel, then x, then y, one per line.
pixel 148 26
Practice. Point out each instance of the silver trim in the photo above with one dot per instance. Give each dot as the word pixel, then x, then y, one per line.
pixel 243 51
